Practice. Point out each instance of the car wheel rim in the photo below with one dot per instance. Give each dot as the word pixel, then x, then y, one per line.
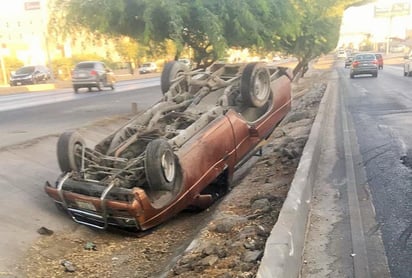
pixel 168 166
pixel 261 86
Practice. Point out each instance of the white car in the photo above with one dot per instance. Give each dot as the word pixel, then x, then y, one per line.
pixel 341 54
pixel 407 66
pixel 148 68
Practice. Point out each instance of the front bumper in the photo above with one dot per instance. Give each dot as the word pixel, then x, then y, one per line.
pixel 95 205
pixel 18 82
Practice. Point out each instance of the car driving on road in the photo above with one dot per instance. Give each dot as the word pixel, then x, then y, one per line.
pixel 349 60
pixel 364 63
pixel 407 65
pixel 180 153
pixel 379 58
pixel 90 74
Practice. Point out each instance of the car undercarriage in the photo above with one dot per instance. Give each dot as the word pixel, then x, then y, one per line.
pixel 142 156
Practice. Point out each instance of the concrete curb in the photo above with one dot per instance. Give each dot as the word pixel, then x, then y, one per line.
pixel 284 248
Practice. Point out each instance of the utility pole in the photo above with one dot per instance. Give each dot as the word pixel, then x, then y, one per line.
pixel 390 11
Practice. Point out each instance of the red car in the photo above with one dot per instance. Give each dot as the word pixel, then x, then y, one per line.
pixel 180 153
pixel 379 58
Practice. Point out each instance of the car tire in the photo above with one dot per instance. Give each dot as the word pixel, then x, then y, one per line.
pixel 100 85
pixel 170 72
pixel 375 74
pixel 161 166
pixel 255 84
pixel 352 76
pixel 69 148
pixel 76 89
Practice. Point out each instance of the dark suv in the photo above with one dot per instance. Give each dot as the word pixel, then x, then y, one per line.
pixel 91 74
pixel 29 75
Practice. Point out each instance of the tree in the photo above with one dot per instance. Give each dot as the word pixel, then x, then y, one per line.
pixel 303 28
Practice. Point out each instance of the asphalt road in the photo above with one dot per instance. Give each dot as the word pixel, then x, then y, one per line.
pixel 27 161
pixel 32 115
pixel 381 111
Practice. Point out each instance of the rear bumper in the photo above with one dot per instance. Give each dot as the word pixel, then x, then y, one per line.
pixel 85 83
pixel 364 70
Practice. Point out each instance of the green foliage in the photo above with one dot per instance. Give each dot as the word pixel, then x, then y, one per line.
pixel 303 28
pixel 10 64
pixel 128 49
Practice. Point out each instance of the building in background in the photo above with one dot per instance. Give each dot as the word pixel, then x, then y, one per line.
pixel 22 28
pixel 24 34
pixel 383 24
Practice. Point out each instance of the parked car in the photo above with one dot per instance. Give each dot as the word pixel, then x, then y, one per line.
pixel 407 65
pixel 364 63
pixel 29 75
pixel 148 68
pixel 180 153
pixel 379 58
pixel 90 74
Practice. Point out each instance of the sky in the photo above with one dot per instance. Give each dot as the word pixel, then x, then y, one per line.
pixel 361 19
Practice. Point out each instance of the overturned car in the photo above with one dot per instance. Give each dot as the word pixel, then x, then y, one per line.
pixel 180 153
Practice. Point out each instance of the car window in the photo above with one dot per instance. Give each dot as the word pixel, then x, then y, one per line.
pixel 146 65
pixel 99 66
pixel 85 66
pixel 365 57
pixel 25 70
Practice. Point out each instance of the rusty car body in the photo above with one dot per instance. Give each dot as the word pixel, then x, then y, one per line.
pixel 180 153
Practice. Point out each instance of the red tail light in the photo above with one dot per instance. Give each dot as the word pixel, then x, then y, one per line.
pixel 93 72
pixel 355 64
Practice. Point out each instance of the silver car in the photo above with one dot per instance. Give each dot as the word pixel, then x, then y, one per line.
pixel 364 63
pixel 91 74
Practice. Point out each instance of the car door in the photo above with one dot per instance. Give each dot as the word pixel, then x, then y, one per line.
pixel 207 154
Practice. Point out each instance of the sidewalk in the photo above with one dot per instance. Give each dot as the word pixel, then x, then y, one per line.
pixel 342 239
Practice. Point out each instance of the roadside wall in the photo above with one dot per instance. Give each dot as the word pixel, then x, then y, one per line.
pixel 284 248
